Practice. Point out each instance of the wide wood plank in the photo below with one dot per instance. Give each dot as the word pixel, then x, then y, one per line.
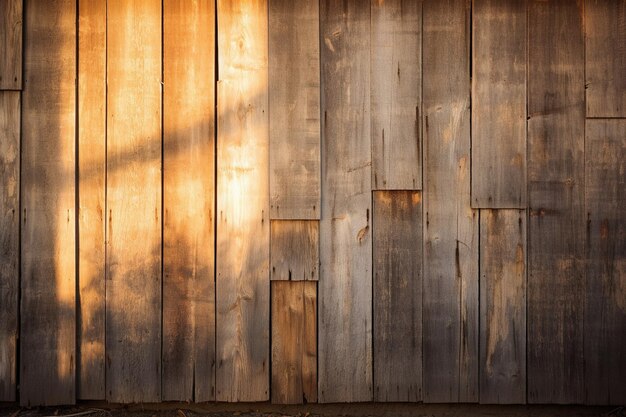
pixel 48 197
pixel 605 307
pixel 294 250
pixel 9 240
pixel 133 266
pixel 396 94
pixel 345 290
pixel 503 306
pixel 11 44
pixel 555 185
pixel 294 105
pixel 397 265
pixel 450 311
pixel 243 226
pixel 188 200
pixel 499 104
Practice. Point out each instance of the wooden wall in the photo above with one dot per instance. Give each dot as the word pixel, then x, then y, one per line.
pixel 304 201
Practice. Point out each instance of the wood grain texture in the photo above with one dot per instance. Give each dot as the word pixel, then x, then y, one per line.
pixel 397 265
pixel 503 306
pixel 555 185
pixel 9 240
pixel 605 307
pixel 188 200
pixel 11 44
pixel 294 250
pixel 294 105
pixel 396 94
pixel 133 267
pixel 294 342
pixel 499 104
pixel 345 291
pixel 243 226
pixel 605 57
pixel 48 198
pixel 450 311
pixel 91 199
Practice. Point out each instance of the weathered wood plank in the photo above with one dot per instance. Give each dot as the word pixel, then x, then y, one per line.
pixel 188 200
pixel 243 226
pixel 91 194
pixel 9 240
pixel 397 265
pixel 48 226
pixel 605 58
pixel 556 110
pixel 345 291
pixel 133 266
pixel 294 342
pixel 503 306
pixel 294 104
pixel 11 44
pixel 499 104
pixel 396 94
pixel 294 250
pixel 605 308
pixel 450 311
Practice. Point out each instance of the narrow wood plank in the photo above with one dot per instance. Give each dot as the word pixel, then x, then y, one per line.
pixel 605 58
pixel 345 291
pixel 294 250
pixel 91 198
pixel 555 185
pixel 294 342
pixel 605 308
pixel 11 44
pixel 9 240
pixel 48 200
pixel 133 267
pixel 189 198
pixel 499 104
pixel 243 229
pixel 397 265
pixel 396 94
pixel 450 311
pixel 294 104
pixel 503 306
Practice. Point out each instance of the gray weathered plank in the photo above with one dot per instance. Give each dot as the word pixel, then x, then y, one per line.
pixel 243 226
pixel 605 308
pixel 499 104
pixel 133 265
pixel 188 200
pixel 294 105
pixel 556 110
pixel 397 267
pixel 450 311
pixel 345 337
pixel 503 306
pixel 48 226
pixel 11 44
pixel 396 94
pixel 294 247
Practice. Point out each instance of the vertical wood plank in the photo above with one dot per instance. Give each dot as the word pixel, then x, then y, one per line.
pixel 9 240
pixel 243 229
pixel 397 265
pixel 503 306
pixel 396 94
pixel 294 250
pixel 345 291
pixel 48 227
pixel 294 105
pixel 11 44
pixel 189 171
pixel 605 308
pixel 499 104
pixel 450 311
pixel 555 185
pixel 91 198
pixel 133 267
